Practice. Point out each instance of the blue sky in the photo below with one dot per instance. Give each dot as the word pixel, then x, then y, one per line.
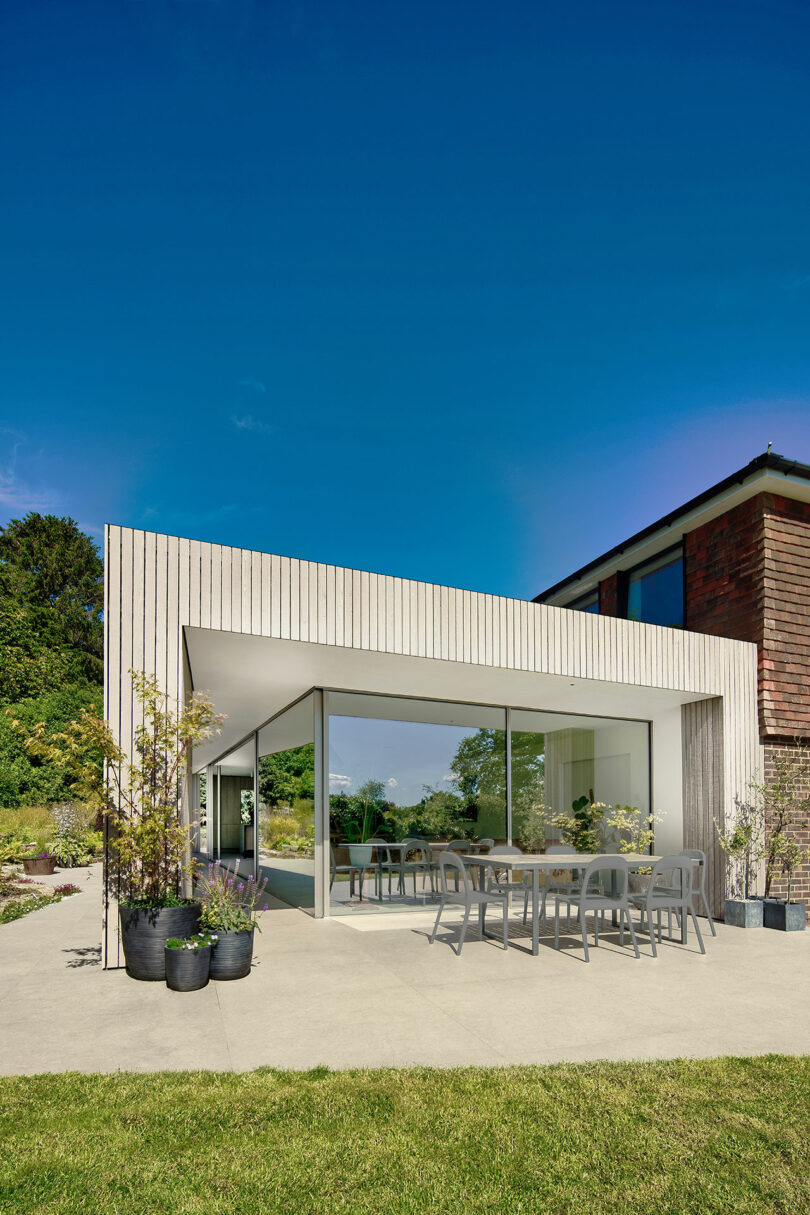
pixel 461 291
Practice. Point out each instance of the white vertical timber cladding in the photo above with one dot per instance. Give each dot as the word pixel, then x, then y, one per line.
pixel 156 585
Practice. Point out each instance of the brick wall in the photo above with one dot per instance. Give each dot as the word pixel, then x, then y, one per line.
pixel 609 596
pixel 784 677
pixel 723 568
pixel 800 890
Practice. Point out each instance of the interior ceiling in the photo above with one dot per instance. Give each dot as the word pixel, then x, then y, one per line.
pixel 250 679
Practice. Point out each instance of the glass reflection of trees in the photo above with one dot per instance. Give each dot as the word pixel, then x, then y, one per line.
pixel 474 807
pixel 287 799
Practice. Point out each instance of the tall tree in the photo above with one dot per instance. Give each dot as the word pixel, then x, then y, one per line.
pixel 52 588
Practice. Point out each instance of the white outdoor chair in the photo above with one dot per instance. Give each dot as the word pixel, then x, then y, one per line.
pixel 553 887
pixel 500 879
pixel 670 889
pixel 424 864
pixel 699 883
pixel 451 864
pixel 591 897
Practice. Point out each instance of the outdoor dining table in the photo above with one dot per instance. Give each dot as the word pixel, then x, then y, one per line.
pixel 533 862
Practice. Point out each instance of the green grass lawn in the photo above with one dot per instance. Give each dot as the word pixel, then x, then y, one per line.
pixel 727 1135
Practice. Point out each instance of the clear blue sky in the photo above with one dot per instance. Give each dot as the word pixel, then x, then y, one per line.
pixel 461 291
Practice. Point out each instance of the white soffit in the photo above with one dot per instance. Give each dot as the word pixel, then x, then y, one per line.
pixel 252 678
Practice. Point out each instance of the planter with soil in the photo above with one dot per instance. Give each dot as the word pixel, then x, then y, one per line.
pixel 145 931
pixel 744 913
pixel 785 917
pixel 187 969
pixel 232 954
pixel 38 865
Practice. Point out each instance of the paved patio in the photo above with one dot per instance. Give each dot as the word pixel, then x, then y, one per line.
pixel 370 993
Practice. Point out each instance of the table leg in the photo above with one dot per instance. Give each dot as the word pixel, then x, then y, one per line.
pixel 535 910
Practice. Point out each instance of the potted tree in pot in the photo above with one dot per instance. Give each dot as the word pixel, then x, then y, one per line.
pixel 229 906
pixel 743 848
pixel 141 799
pixel 782 913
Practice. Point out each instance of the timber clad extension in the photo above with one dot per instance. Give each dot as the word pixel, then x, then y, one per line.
pixel 168 599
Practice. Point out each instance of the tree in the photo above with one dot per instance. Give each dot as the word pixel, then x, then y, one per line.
pixel 52 579
pixel 287 775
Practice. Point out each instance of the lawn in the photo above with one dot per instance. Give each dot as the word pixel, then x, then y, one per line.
pixel 727 1135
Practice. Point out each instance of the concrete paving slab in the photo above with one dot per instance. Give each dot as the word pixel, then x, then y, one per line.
pixel 371 992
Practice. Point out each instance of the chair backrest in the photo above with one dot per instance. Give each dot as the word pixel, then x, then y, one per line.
pixel 360 854
pixel 559 850
pixel 457 846
pixel 611 863
pixel 674 873
pixel 485 844
pixel 505 850
pixel 381 846
pixel 450 863
pixel 412 843
pixel 699 870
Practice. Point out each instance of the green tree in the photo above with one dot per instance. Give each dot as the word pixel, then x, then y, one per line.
pixel 27 780
pixel 287 776
pixel 52 583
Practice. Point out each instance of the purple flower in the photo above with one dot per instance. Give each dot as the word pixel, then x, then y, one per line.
pixel 265 907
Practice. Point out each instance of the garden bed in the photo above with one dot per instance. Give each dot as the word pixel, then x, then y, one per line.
pixel 20 895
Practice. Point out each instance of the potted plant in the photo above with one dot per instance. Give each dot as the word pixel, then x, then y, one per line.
pixel 743 848
pixel 634 831
pixel 141 797
pixel 782 913
pixel 39 863
pixel 228 909
pixel 188 961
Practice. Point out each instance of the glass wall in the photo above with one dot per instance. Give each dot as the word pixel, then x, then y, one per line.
pixel 286 804
pixel 403 769
pixel 569 775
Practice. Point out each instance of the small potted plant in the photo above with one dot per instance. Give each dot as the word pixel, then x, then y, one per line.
pixel 39 863
pixel 743 848
pixel 782 913
pixel 188 961
pixel 228 909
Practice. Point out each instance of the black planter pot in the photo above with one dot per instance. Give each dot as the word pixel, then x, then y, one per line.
pixel 786 917
pixel 232 954
pixel 145 931
pixel 187 969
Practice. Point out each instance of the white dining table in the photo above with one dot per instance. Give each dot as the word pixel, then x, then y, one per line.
pixel 534 862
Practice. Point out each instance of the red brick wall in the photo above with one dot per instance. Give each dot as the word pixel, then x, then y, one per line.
pixel 800 889
pixel 723 567
pixel 784 677
pixel 609 596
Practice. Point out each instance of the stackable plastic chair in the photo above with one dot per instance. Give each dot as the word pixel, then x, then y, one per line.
pixel 699 883
pixel 451 867
pixel 674 893
pixel 424 865
pixel 592 898
pixel 551 888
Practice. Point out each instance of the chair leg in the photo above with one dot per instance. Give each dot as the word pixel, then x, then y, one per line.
pixel 584 928
pixel 525 903
pixel 596 929
pixel 505 925
pixel 436 925
pixel 632 933
pixel 708 913
pixel 556 925
pixel 360 876
pixel 464 924
pixel 651 923
pixel 482 911
pixel 697 930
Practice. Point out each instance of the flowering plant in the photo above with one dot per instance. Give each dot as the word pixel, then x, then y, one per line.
pixel 247 806
pixel 229 903
pixel 200 940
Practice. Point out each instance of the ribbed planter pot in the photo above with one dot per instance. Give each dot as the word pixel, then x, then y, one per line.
pixel 232 954
pixel 187 969
pixel 145 931
pixel 786 917
pixel 38 865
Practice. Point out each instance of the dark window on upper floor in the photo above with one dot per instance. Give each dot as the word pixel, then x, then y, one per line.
pixel 654 590
pixel 586 603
